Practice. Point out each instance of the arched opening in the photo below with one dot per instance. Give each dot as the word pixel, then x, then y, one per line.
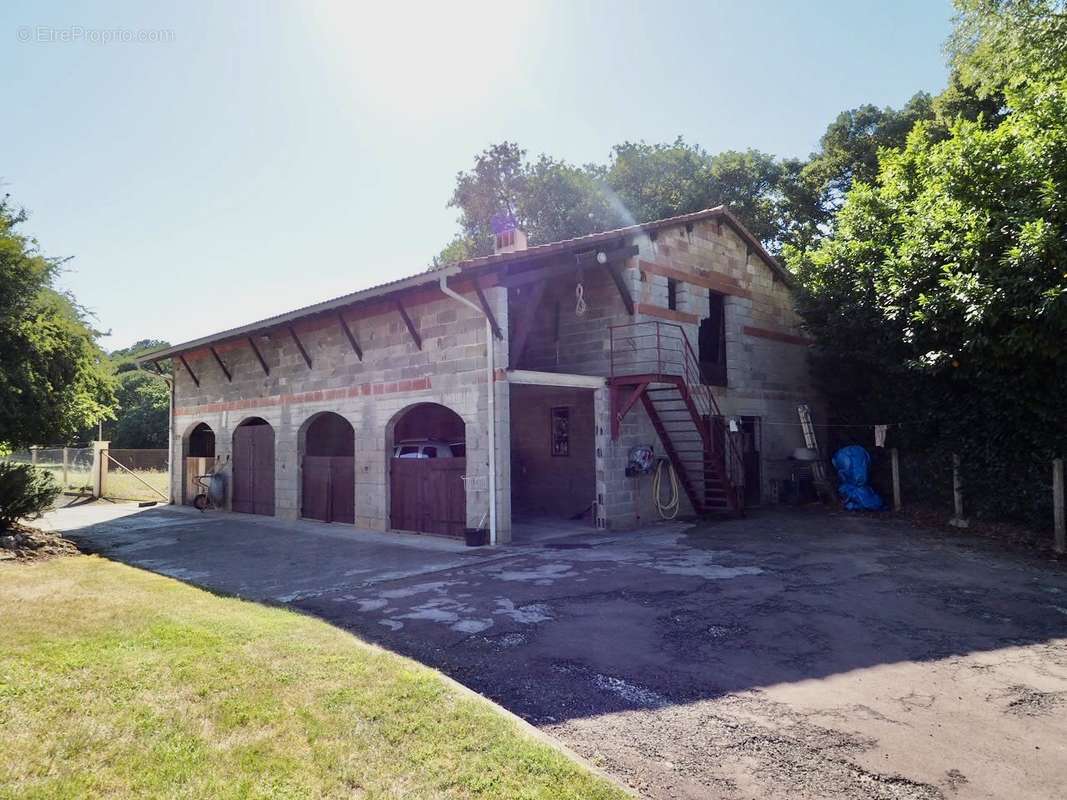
pixel 428 459
pixel 253 467
pixel 328 470
pixel 198 458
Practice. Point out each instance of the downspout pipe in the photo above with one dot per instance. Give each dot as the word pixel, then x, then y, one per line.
pixel 490 376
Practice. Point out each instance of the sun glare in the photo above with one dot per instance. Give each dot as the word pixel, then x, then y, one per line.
pixel 426 59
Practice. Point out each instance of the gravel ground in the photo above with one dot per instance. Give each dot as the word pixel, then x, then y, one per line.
pixel 785 655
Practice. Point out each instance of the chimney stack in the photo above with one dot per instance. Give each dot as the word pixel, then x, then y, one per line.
pixel 507 237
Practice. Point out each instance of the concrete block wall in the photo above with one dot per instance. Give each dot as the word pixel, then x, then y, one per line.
pixel 371 394
pixel 543 483
pixel 766 349
pixel 582 346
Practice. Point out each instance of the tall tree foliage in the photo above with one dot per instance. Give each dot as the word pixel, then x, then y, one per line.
pixel 941 297
pixel 554 200
pixel 52 378
pixel 782 201
pixel 142 401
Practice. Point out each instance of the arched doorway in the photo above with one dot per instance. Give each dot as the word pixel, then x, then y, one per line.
pixel 328 472
pixel 198 459
pixel 253 467
pixel 428 459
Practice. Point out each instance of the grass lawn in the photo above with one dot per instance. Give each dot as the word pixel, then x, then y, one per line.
pixel 120 683
pixel 124 486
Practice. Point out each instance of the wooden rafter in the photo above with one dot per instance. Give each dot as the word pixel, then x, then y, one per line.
pixel 222 366
pixel 350 336
pixel 189 369
pixel 156 367
pixel 300 346
pixel 488 312
pixel 411 325
pixel 525 322
pixel 259 355
pixel 624 290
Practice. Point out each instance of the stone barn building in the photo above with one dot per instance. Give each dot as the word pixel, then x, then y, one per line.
pixel 509 388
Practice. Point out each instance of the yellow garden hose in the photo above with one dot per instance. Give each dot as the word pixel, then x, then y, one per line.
pixel 667 509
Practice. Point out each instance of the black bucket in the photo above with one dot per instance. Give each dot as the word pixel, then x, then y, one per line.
pixel 476 537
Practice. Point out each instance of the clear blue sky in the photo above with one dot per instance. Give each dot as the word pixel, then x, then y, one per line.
pixel 269 155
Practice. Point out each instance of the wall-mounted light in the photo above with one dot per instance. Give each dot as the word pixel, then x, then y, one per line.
pixel 602 257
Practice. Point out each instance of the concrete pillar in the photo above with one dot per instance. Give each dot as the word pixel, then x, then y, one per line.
pixel 100 467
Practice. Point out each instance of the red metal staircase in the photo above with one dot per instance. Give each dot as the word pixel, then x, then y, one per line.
pixel 654 364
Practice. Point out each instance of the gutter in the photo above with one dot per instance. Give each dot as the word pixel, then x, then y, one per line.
pixel 490 374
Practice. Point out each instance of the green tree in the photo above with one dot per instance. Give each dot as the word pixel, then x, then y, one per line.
pixel 143 411
pixel 554 200
pixel 941 296
pixel 52 377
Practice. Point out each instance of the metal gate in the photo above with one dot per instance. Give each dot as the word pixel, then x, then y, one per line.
pixel 329 488
pixel 428 495
pixel 253 468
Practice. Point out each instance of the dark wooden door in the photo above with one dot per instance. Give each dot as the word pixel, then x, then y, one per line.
pixel 428 496
pixel 253 469
pixel 329 485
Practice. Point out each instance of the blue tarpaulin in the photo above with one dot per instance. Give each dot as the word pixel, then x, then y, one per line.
pixel 852 464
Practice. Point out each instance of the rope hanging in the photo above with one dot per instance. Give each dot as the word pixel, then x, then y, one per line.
pixel 580 306
pixel 666 506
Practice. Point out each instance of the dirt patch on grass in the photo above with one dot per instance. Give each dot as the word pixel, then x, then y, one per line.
pixel 22 543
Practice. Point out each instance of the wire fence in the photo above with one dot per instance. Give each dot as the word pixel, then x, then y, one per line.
pixel 71 466
pixel 125 474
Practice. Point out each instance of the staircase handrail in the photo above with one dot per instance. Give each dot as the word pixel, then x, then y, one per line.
pixel 692 374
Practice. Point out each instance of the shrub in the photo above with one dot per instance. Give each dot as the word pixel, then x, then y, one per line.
pixel 25 492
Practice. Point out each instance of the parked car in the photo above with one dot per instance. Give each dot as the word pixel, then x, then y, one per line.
pixel 429 448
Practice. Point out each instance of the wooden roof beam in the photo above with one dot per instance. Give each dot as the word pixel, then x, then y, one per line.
pixel 411 325
pixel 350 336
pixel 259 356
pixel 189 369
pixel 488 312
pixel 222 366
pixel 300 346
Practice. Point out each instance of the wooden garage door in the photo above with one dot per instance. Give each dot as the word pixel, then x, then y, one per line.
pixel 428 495
pixel 253 469
pixel 329 485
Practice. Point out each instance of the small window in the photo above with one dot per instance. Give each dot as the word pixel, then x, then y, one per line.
pixel 672 294
pixel 459 449
pixel 408 451
pixel 429 451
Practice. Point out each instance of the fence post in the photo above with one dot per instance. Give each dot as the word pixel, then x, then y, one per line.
pixel 957 521
pixel 33 455
pixel 896 478
pixel 99 468
pixel 66 468
pixel 1057 505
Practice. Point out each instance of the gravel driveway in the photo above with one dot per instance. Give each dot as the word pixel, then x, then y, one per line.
pixel 780 656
